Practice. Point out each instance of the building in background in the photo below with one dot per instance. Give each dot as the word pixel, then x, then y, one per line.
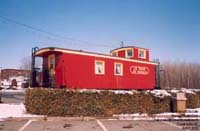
pixel 7 77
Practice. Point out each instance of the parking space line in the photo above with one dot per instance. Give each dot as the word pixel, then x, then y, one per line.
pixel 101 125
pixel 25 125
pixel 171 124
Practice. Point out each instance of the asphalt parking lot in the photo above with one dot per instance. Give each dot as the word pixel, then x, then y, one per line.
pixel 12 97
pixel 87 125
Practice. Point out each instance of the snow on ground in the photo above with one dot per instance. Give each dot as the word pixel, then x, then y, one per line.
pixel 123 92
pixel 135 116
pixel 191 114
pixel 19 111
pixel 11 90
pixel 187 91
pixel 14 111
pixel 184 90
pixel 114 91
pixel 159 93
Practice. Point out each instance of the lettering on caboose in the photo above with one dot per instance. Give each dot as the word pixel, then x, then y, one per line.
pixel 140 70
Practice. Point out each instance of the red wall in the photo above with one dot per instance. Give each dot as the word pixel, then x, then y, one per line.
pixel 77 71
pixel 121 53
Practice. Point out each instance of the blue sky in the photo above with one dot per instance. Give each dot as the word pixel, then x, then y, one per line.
pixel 169 28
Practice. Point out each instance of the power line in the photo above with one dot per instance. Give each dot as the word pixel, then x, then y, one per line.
pixel 49 33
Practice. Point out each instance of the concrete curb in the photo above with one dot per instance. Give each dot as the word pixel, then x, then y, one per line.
pixel 46 118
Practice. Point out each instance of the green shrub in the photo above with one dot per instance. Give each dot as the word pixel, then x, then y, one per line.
pixel 60 102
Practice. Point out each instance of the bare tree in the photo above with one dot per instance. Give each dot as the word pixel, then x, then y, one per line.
pixel 26 64
pixel 180 75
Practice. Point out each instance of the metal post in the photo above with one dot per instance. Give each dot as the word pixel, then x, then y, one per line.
pixel 33 73
pixel 157 74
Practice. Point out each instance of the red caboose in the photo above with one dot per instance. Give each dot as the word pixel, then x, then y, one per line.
pixel 124 68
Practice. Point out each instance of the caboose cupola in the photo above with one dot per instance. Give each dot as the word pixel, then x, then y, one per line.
pixel 131 52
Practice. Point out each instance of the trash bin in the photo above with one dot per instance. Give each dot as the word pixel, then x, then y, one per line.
pixel 180 102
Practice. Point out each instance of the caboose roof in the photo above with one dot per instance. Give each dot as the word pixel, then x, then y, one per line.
pixel 128 47
pixel 41 52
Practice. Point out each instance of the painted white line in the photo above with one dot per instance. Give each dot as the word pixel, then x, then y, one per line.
pixel 171 124
pixel 101 125
pixel 25 125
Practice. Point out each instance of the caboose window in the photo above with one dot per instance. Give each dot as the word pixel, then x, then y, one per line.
pixel 142 54
pixel 118 69
pixel 114 54
pixel 129 53
pixel 52 63
pixel 99 67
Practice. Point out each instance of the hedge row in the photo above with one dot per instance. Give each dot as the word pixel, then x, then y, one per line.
pixel 57 102
pixel 193 100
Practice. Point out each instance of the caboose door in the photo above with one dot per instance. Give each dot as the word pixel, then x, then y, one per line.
pixel 51 69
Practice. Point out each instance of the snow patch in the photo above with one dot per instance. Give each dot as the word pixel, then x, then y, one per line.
pixel 168 114
pixel 123 92
pixel 14 91
pixel 184 90
pixel 159 93
pixel 189 91
pixel 135 116
pixel 191 114
pixel 13 111
pixel 114 91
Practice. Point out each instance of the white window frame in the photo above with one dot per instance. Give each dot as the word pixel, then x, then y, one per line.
pixel 121 69
pixel 144 57
pixel 103 67
pixel 127 53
